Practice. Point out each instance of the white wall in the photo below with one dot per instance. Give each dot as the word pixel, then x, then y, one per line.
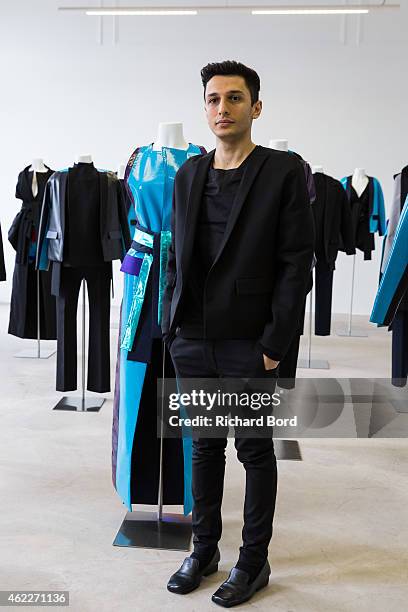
pixel 340 104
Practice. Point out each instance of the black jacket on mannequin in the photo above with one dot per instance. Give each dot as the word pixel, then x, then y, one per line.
pixel 113 231
pixel 257 282
pixel 333 223
pixel 23 236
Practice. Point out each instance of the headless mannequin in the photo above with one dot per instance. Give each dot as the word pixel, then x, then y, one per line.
pixel 170 135
pixel 317 169
pixel 359 180
pixel 121 171
pixel 36 166
pixel 279 145
pixel 85 159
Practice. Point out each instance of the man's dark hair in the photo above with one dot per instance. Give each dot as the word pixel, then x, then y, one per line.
pixel 231 68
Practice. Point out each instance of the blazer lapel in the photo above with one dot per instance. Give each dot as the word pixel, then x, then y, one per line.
pixel 253 166
pixel 328 214
pixel 193 207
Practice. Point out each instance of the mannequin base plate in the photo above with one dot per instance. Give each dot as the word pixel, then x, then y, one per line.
pixel 33 354
pixel 78 404
pixel 144 530
pixel 313 364
pixel 354 333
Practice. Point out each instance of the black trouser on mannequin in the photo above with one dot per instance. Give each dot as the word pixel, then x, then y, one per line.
pixel 323 294
pixel 230 359
pixel 98 281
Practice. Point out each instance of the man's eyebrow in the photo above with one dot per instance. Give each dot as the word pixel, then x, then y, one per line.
pixel 232 91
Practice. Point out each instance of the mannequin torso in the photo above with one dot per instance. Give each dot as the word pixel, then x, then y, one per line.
pixel 359 181
pixel 170 135
pixel 37 166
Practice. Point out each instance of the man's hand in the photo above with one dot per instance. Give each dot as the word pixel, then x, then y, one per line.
pixel 270 364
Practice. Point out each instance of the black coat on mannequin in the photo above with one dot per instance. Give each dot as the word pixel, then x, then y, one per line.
pixel 23 236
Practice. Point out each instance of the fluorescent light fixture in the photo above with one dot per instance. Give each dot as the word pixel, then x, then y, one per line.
pixel 310 11
pixel 305 9
pixel 140 12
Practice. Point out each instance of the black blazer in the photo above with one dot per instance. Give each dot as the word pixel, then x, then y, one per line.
pixel 337 231
pixel 256 285
pixel 114 227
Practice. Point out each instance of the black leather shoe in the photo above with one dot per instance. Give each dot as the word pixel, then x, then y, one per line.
pixel 188 577
pixel 235 590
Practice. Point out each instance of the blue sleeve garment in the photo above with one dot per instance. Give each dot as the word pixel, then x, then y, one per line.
pixel 394 281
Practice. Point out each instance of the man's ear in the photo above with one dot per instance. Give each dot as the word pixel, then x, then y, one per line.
pixel 257 109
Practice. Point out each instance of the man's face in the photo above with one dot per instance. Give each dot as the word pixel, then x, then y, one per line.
pixel 228 107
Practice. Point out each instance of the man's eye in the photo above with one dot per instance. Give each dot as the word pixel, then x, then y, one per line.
pixel 211 101
pixel 235 98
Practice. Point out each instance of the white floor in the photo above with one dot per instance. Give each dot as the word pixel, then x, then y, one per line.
pixel 341 527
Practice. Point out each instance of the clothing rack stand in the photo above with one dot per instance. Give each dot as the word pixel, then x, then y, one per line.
pixel 309 363
pixel 349 332
pixel 83 403
pixel 158 530
pixel 32 353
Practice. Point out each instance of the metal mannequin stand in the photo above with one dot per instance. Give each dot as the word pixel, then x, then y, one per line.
pixel 38 353
pixel 309 363
pixel 355 333
pixel 83 403
pixel 156 529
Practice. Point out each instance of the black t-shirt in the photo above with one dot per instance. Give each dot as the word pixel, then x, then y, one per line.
pixel 218 198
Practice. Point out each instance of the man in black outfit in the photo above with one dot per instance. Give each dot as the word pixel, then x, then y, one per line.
pixel 239 263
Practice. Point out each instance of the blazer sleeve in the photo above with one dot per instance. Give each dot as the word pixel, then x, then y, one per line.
pixel 294 256
pixel 123 217
pixel 41 258
pixel 170 271
pixel 346 225
pixel 392 223
pixel 382 220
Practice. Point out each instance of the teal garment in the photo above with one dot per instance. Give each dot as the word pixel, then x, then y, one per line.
pixel 150 178
pixel 377 220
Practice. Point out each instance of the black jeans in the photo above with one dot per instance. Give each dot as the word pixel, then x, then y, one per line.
pixel 194 358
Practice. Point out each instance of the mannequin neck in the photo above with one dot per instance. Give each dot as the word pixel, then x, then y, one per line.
pixel 121 171
pixel 84 159
pixel 170 135
pixel 280 144
pixel 38 166
pixel 359 180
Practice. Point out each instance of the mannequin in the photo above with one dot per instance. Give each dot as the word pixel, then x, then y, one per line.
pixel 85 159
pixel 317 169
pixel 279 145
pixel 359 180
pixel 31 292
pixel 121 171
pixel 149 180
pixel 37 166
pixel 170 135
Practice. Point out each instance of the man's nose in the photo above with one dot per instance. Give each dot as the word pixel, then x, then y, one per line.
pixel 223 107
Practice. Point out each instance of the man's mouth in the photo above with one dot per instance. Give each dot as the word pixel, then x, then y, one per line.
pixel 224 121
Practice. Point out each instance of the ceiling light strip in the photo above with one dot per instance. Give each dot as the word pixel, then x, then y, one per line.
pixel 254 10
